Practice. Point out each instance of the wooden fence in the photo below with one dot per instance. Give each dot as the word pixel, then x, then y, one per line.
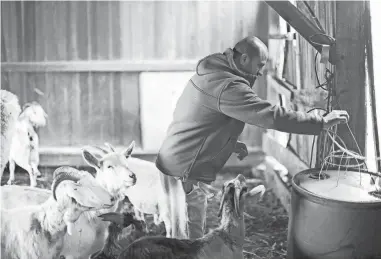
pixel 83 60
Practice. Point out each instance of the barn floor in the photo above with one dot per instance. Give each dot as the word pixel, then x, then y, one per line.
pixel 266 231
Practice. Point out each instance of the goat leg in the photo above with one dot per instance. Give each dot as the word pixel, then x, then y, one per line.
pixel 32 176
pixel 12 166
pixel 35 170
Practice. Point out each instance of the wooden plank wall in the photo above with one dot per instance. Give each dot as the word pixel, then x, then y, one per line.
pixel 299 70
pixel 325 12
pixel 96 106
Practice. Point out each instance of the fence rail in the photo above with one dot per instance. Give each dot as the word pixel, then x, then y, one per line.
pixel 100 66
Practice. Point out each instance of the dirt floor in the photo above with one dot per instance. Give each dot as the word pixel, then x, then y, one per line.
pixel 266 231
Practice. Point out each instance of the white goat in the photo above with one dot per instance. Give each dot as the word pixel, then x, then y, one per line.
pixel 25 143
pixel 226 241
pixel 113 174
pixel 147 195
pixel 35 232
pixel 10 110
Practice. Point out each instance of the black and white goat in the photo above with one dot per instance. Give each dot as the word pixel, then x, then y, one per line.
pixel 116 239
pixel 38 231
pixel 226 241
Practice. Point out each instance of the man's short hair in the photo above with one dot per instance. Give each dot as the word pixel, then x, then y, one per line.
pixel 251 46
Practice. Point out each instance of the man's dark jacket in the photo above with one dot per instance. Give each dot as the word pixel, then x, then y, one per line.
pixel 210 115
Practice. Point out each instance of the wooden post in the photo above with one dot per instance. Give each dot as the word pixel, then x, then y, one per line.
pixel 349 86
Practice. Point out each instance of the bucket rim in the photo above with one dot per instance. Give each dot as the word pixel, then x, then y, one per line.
pixel 324 200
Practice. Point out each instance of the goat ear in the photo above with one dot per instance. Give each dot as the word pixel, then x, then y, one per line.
pixel 87 193
pixel 79 193
pixel 256 190
pixel 209 190
pixel 90 159
pixel 128 151
pixel 26 105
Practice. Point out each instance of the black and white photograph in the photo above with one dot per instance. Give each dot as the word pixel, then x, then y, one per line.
pixel 190 129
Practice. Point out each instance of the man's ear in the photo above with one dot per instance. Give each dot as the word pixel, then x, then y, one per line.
pixel 244 59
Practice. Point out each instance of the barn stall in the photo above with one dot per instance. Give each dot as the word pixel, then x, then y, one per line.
pixel 111 72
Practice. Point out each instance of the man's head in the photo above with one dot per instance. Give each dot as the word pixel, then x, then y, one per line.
pixel 250 55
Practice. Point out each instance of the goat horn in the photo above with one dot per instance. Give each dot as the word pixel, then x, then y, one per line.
pixel 110 146
pixel 64 173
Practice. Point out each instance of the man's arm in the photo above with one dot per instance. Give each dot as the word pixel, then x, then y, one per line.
pixel 239 101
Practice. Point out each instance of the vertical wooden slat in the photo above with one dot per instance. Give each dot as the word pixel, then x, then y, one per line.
pixel 39 31
pixel 138 35
pixel 147 22
pixel 10 18
pixel 74 90
pixel 126 32
pixel 99 31
pixel 82 28
pixel 61 29
pixel 29 30
pixel 115 26
pixel 203 33
pixel 129 100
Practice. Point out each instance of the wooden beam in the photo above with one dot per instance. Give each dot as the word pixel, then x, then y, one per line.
pixel 304 26
pixel 350 71
pixel 100 66
pixel 60 156
pixel 374 66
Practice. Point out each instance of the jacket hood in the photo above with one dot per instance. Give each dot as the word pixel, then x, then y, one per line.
pixel 222 62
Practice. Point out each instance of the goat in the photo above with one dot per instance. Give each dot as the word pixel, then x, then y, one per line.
pixel 147 195
pixel 115 240
pixel 25 143
pixel 10 110
pixel 226 241
pixel 34 232
pixel 112 173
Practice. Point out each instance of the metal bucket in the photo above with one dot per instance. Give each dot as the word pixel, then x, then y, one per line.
pixel 332 227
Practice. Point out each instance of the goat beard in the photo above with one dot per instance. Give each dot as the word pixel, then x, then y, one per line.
pixel 69 219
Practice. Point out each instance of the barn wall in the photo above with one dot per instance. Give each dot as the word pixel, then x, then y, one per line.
pixel 90 103
pixel 293 64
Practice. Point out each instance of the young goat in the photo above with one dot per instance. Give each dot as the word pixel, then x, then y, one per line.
pixel 112 173
pixel 25 143
pixel 147 195
pixel 10 110
pixel 116 240
pixel 226 241
pixel 34 232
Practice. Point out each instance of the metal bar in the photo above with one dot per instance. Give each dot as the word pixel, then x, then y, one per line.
pixel 304 26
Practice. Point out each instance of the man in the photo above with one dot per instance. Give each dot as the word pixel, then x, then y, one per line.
pixel 210 115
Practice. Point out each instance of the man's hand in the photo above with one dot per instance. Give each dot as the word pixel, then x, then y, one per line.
pixel 241 150
pixel 335 117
